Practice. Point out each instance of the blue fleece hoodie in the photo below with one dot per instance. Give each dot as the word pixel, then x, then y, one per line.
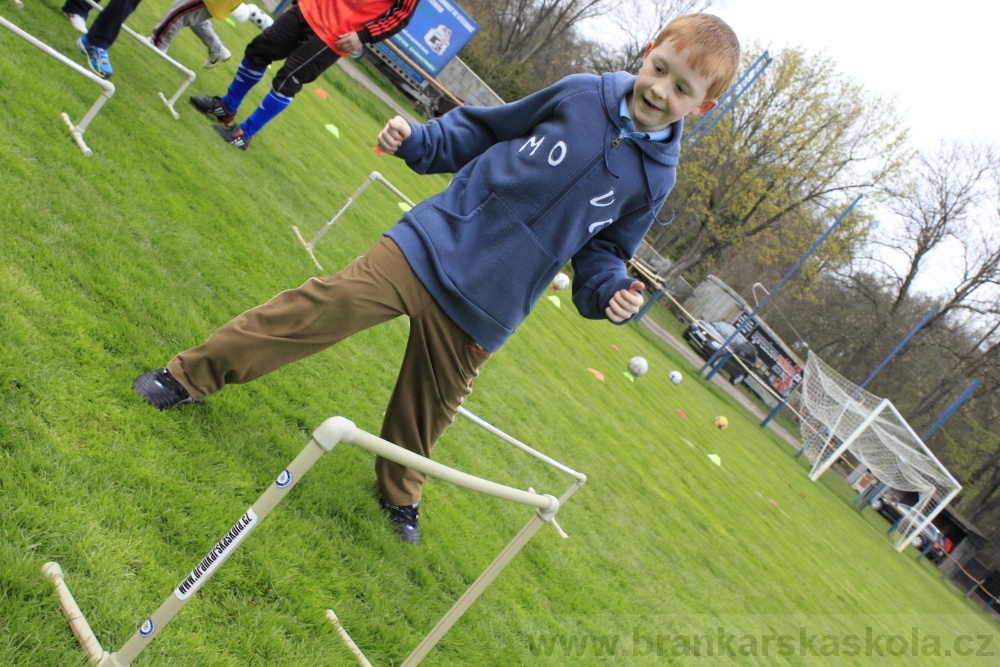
pixel 538 182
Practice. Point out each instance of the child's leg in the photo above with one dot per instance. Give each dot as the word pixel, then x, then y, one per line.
pixel 296 323
pixel 310 58
pixel 206 33
pixel 275 43
pixel 78 7
pixel 440 363
pixel 180 14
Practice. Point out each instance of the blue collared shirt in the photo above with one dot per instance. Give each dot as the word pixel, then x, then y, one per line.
pixel 628 128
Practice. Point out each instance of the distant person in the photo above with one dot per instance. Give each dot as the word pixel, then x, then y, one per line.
pixel 310 36
pixel 102 34
pixel 197 15
pixel 576 171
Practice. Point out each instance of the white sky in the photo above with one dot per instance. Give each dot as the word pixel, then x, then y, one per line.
pixel 938 60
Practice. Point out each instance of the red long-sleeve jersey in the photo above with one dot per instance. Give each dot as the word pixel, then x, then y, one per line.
pixel 373 20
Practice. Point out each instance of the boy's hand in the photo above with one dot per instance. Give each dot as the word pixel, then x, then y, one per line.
pixel 348 42
pixel 626 302
pixel 395 132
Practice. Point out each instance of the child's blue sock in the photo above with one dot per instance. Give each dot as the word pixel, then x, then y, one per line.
pixel 272 104
pixel 247 77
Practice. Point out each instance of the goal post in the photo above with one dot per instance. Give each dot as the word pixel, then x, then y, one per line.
pixel 839 417
pixel 825 458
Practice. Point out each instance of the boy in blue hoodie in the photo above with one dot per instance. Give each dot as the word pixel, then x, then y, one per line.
pixel 575 172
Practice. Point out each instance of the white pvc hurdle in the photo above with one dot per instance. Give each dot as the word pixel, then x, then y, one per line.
pixel 108 88
pixel 326 437
pixel 372 177
pixel 145 42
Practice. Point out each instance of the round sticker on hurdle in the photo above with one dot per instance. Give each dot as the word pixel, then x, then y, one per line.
pixel 147 628
pixel 284 479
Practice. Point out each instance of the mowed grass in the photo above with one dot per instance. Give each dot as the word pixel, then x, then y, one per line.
pixel 110 265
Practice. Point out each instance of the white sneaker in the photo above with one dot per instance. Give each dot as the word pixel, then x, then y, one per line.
pixel 214 58
pixel 77 22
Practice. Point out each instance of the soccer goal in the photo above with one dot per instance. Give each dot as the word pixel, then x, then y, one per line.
pixel 330 433
pixel 837 416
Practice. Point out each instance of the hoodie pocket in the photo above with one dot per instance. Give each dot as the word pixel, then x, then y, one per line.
pixel 493 260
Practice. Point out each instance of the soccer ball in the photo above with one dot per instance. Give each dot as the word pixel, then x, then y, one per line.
pixel 259 18
pixel 721 423
pixel 561 281
pixel 676 377
pixel 637 366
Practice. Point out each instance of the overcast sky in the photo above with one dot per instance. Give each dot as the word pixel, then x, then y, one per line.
pixel 937 59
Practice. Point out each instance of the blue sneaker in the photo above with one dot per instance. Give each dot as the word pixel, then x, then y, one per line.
pixel 96 58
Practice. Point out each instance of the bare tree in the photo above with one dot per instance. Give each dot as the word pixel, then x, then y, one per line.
pixel 932 207
pixel 518 30
pixel 628 26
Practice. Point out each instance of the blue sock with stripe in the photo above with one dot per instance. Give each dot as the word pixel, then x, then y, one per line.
pixel 272 104
pixel 247 77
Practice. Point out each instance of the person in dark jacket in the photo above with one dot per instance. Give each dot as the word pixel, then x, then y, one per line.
pixel 575 172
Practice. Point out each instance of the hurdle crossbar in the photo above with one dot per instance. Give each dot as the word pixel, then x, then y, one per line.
pixel 326 437
pixel 372 178
pixel 145 42
pixel 107 88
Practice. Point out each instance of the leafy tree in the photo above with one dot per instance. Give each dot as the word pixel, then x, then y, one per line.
pixel 799 145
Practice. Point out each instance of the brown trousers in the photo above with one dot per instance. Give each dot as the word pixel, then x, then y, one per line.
pixel 437 371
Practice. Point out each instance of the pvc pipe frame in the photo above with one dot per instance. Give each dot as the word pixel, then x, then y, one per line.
pixel 145 42
pixel 326 437
pixel 372 177
pixel 107 88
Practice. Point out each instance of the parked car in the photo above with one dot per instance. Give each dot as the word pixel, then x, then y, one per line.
pixel 707 337
pixel 930 535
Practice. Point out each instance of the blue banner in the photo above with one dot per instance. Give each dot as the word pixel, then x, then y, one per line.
pixel 436 33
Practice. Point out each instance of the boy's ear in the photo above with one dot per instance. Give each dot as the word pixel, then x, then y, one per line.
pixel 706 106
pixel 649 47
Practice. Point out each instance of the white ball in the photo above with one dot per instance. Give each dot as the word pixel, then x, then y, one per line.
pixel 676 377
pixel 241 14
pixel 561 281
pixel 259 18
pixel 637 366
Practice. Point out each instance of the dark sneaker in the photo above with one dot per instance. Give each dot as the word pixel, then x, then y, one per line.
pixel 97 58
pixel 213 106
pixel 404 519
pixel 161 390
pixel 233 135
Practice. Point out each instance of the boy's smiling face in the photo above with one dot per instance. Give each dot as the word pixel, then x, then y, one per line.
pixel 667 89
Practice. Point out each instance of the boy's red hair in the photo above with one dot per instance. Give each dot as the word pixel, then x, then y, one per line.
pixel 714 48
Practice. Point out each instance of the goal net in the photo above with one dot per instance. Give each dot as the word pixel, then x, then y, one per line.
pixel 837 416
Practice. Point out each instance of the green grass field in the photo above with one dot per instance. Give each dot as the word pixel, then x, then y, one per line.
pixel 110 265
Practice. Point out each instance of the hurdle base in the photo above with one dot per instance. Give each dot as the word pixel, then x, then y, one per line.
pixel 307 246
pixel 77 621
pixel 77 135
pixel 170 106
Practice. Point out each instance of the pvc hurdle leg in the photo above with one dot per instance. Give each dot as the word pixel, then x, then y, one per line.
pixel 145 42
pixel 337 429
pixel 477 588
pixel 323 230
pixel 108 88
pixel 372 177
